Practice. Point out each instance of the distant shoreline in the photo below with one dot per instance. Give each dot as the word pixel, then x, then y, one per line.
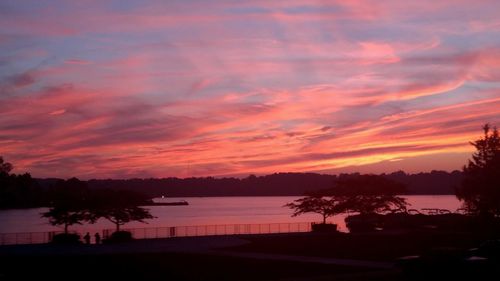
pixel 278 184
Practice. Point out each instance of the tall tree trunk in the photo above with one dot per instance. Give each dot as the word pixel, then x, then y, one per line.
pixel 324 218
pixel 117 226
pixel 65 228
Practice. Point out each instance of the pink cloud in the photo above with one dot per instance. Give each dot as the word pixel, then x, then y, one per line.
pixel 377 52
pixel 231 88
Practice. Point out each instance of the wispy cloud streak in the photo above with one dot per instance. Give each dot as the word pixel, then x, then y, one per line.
pixel 181 88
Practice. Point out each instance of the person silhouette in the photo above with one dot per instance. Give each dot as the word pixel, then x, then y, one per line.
pixel 97 238
pixel 87 238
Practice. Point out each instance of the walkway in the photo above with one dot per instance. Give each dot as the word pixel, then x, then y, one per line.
pixel 210 245
pixel 322 260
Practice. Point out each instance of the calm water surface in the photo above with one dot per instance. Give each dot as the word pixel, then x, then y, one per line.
pixel 208 211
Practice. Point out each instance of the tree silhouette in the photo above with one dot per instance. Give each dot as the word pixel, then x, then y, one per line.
pixel 365 194
pixel 369 194
pixel 123 215
pixel 65 217
pixel 18 191
pixel 119 207
pixel 326 206
pixel 5 167
pixel 480 188
pixel 69 203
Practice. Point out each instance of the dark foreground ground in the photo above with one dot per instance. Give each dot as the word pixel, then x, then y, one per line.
pixel 262 257
pixel 383 246
pixel 166 266
pixel 182 267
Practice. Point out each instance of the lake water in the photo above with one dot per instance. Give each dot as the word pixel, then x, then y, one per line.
pixel 208 211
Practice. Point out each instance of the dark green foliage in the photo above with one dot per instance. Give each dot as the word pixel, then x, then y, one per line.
pixel 66 238
pixel 480 188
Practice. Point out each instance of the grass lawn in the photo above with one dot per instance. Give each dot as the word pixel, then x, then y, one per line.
pixel 374 246
pixel 170 267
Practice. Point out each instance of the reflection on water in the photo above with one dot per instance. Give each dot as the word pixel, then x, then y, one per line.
pixel 208 211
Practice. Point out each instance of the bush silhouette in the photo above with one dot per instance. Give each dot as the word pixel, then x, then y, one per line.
pixel 119 237
pixel 66 238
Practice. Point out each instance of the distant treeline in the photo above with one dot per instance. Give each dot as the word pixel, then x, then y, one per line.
pixel 280 184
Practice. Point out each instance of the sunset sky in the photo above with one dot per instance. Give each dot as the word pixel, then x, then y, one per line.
pixel 122 89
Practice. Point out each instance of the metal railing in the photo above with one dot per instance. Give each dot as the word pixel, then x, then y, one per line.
pixel 208 230
pixel 167 232
pixel 28 237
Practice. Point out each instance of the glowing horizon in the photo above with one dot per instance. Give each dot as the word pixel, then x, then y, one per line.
pixel 121 89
